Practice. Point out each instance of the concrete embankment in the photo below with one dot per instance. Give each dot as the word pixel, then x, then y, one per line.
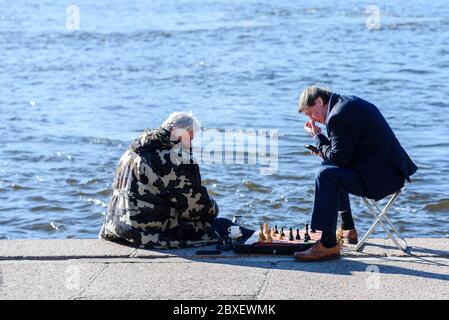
pixel 95 269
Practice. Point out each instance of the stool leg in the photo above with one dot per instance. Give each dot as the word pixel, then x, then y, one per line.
pixel 384 212
pixel 371 229
pixel 401 246
pixel 362 241
pixel 400 242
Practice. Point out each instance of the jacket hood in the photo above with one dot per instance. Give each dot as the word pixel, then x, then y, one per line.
pixel 153 139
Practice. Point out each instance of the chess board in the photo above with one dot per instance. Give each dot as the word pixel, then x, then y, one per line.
pixel 277 247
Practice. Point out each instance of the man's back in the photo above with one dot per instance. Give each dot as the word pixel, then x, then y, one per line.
pixel 360 137
pixel 155 202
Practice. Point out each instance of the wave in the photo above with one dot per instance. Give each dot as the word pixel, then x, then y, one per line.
pixel 96 202
pixel 441 205
pixel 105 192
pixel 37 38
pixel 46 227
pixel 415 71
pixel 252 186
pixel 46 208
pixel 20 187
pixel 443 144
pixel 37 199
pixel 63 140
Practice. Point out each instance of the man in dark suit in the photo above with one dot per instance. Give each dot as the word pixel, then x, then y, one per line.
pixel 361 156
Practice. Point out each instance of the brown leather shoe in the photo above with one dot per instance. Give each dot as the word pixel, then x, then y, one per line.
pixel 348 235
pixel 318 252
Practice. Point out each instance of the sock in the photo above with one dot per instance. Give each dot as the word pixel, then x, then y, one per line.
pixel 328 239
pixel 347 223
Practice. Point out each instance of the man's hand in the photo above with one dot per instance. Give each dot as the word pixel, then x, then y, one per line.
pixel 311 128
pixel 308 127
pixel 319 154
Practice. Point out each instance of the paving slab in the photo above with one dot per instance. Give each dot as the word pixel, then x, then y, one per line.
pixel 420 247
pixel 62 249
pixel 44 280
pixel 195 280
pixel 360 278
pixel 167 253
pixel 373 247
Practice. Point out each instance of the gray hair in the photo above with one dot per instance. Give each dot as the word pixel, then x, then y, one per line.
pixel 181 120
pixel 310 94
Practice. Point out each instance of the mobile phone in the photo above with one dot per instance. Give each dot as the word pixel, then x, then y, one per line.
pixel 312 148
pixel 208 252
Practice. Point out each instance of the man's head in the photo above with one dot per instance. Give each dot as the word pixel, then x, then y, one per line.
pixel 182 126
pixel 313 102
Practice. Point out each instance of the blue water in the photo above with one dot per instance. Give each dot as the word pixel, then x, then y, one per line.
pixel 72 101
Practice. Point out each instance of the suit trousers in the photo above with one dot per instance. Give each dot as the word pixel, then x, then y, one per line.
pixel 333 185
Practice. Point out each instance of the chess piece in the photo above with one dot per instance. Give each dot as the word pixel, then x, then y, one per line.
pixel 269 238
pixel 276 229
pixel 225 243
pixel 298 237
pixel 261 235
pixel 266 230
pixel 290 234
pixel 221 242
pixel 306 235
pixel 281 235
pixel 273 232
pixel 238 220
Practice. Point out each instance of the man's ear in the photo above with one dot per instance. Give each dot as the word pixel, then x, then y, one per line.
pixel 179 135
pixel 319 101
pixel 174 135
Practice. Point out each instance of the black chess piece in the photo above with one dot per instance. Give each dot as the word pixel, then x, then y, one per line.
pixel 229 243
pixel 282 232
pixel 224 243
pixel 276 229
pixel 298 237
pixel 220 243
pixel 306 235
pixel 290 234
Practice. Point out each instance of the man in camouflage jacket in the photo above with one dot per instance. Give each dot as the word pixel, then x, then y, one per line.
pixel 158 201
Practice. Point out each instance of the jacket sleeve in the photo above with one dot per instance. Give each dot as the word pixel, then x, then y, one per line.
pixel 339 148
pixel 192 198
pixel 321 140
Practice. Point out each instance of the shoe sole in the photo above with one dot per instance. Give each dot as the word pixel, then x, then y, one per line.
pixel 331 257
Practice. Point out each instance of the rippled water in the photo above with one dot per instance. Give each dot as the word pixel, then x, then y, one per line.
pixel 71 102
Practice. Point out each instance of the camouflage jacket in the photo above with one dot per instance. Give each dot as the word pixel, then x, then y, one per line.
pixel 155 202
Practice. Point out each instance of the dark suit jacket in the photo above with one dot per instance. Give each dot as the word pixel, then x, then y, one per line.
pixel 360 138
